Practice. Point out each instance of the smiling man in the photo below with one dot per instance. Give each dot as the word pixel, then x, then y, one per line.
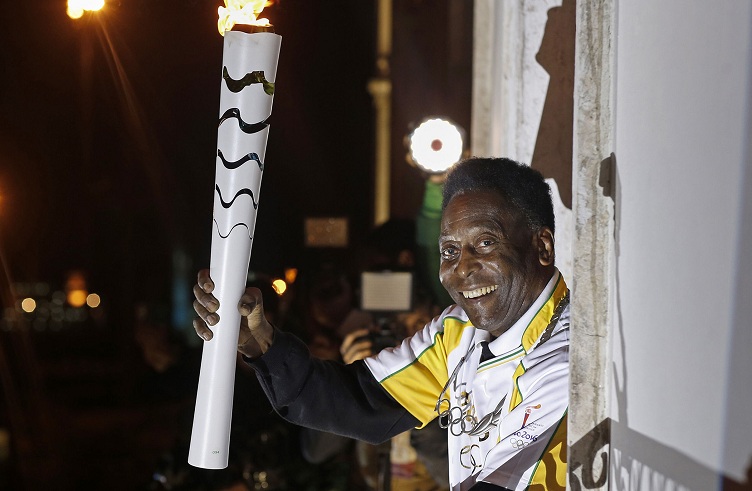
pixel 494 368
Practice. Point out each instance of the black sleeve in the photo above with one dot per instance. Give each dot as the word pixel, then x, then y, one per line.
pixel 484 486
pixel 327 395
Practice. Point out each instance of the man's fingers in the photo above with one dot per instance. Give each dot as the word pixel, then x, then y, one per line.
pixel 250 299
pixel 207 300
pixel 204 281
pixel 205 305
pixel 207 316
pixel 366 345
pixel 256 334
pixel 201 329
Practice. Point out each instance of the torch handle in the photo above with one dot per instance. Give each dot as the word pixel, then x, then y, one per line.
pixel 213 415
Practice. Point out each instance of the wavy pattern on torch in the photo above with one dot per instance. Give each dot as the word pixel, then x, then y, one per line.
pixel 227 204
pixel 233 228
pixel 255 77
pixel 248 128
pixel 234 165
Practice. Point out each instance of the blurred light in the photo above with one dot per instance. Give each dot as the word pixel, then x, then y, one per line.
pixel 76 8
pixel 28 305
pixel 43 311
pixel 75 289
pixel 41 289
pixel 57 314
pixel 291 274
pixel 279 286
pixel 77 298
pixel 436 145
pixel 93 300
pixel 75 13
pixel 58 298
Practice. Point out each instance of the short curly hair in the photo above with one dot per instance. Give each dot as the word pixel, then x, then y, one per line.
pixel 523 186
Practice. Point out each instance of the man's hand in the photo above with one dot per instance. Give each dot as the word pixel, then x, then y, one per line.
pixel 356 346
pixel 255 335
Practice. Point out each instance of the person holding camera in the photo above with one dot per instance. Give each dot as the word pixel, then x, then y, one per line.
pixel 493 368
pixel 417 460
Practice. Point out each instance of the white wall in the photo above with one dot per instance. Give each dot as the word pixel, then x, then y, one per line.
pixel 509 90
pixel 682 394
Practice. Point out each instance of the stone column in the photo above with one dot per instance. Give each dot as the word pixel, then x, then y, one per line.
pixel 593 251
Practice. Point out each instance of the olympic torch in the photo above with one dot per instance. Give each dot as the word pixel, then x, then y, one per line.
pixel 249 67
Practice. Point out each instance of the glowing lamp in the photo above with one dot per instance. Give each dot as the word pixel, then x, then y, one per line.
pixel 436 145
pixel 76 8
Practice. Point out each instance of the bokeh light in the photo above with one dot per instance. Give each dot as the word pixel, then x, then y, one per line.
pixel 279 286
pixel 93 300
pixel 291 274
pixel 28 305
pixel 76 298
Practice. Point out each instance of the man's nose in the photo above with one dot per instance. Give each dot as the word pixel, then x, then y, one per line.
pixel 467 264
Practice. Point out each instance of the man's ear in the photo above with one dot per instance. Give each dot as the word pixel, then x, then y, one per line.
pixel 544 243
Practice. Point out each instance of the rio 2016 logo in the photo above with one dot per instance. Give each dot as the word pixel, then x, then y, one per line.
pixel 522 438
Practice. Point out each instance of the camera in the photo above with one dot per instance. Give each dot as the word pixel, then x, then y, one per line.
pixel 383 338
pixel 384 294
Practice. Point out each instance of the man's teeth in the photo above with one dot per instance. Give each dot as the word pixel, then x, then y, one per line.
pixel 480 291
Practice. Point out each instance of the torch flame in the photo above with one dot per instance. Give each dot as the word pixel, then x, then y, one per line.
pixel 241 12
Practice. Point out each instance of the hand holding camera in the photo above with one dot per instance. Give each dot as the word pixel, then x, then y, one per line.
pixel 363 343
pixel 356 346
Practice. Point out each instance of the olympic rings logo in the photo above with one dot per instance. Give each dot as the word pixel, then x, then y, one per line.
pixel 518 443
pixel 468 460
pixel 457 419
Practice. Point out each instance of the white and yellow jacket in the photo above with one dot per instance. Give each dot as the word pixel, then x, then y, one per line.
pixel 504 404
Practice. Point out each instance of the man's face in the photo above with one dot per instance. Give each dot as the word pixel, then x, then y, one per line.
pixel 492 264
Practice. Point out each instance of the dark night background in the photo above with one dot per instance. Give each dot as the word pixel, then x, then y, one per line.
pixel 107 150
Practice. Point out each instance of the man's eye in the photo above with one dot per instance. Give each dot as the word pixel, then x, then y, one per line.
pixel 448 252
pixel 486 243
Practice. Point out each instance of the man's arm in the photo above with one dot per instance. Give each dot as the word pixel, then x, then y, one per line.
pixel 322 395
pixel 427 231
pixel 326 395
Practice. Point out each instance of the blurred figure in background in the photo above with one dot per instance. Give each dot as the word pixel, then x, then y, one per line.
pixel 331 311
pixel 415 460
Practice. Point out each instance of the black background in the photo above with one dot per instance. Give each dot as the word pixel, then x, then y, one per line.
pixel 108 128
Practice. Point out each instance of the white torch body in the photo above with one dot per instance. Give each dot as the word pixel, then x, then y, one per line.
pixel 249 67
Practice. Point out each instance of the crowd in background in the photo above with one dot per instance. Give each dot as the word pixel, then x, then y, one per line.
pixel 322 307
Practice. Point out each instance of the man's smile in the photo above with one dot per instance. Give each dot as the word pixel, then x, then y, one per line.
pixel 479 292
